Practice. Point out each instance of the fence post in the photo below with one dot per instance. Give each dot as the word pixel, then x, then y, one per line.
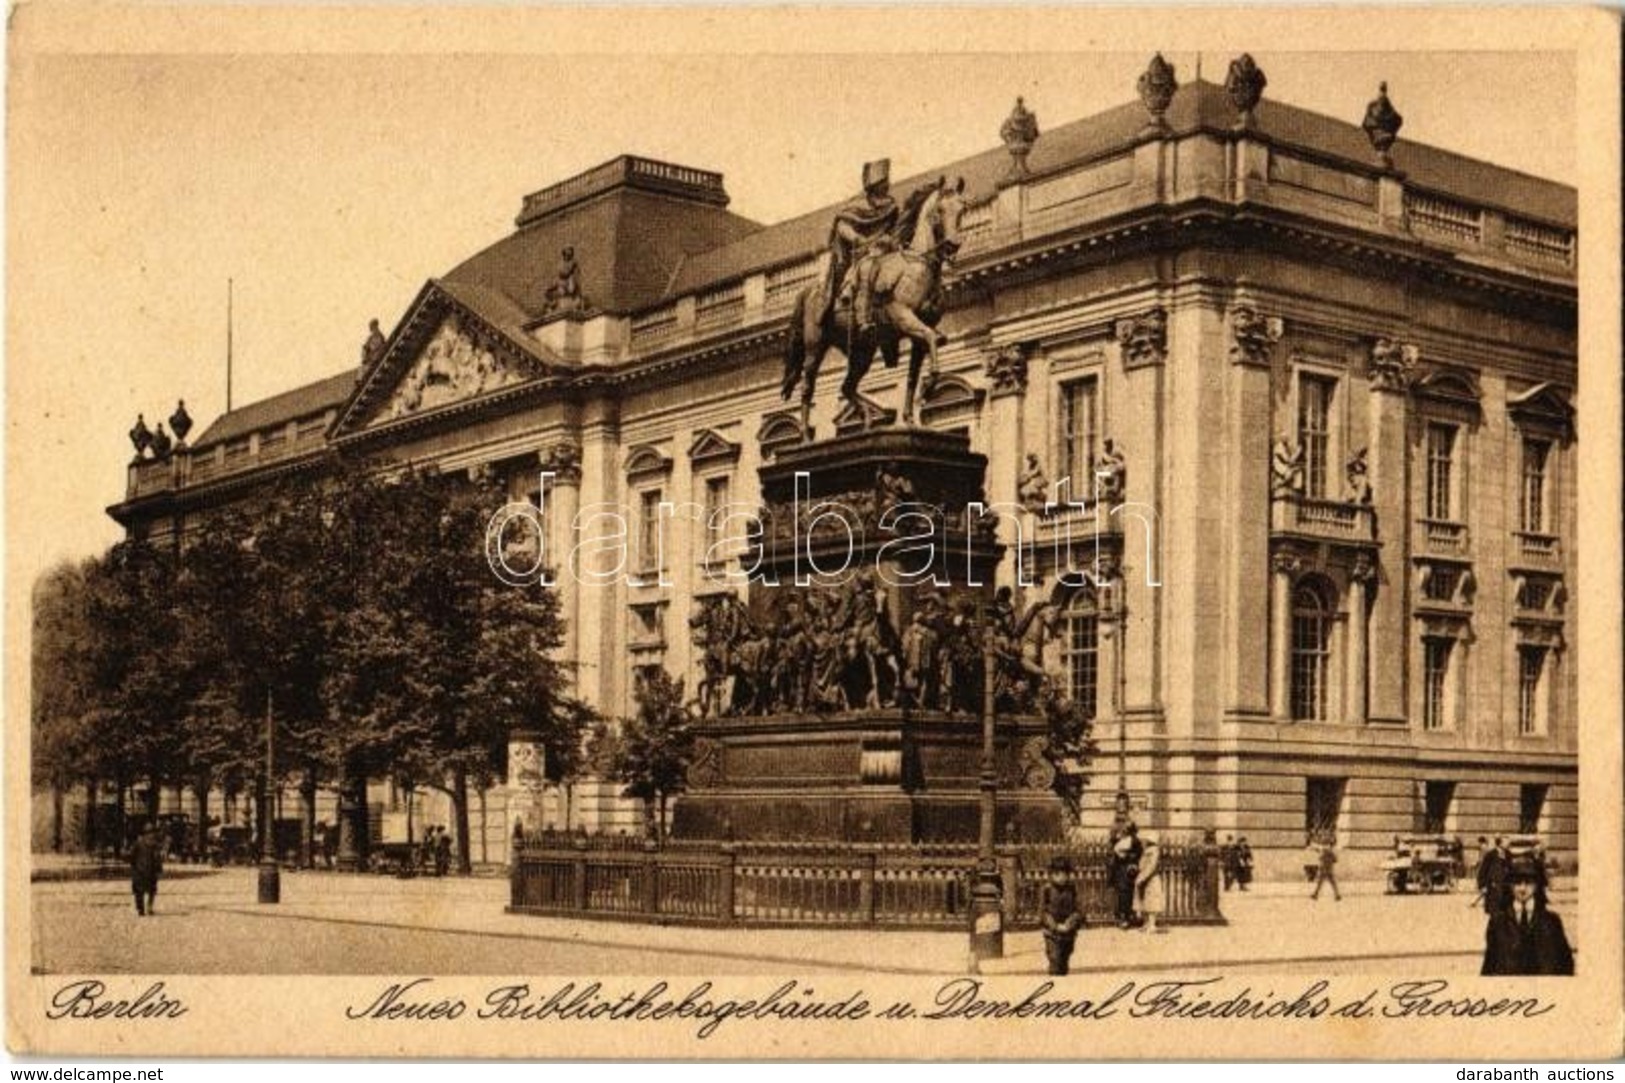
pixel 578 876
pixel 1010 877
pixel 516 879
pixel 725 905
pixel 651 878
pixel 866 886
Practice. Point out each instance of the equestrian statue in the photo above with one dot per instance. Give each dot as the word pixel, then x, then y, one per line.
pixel 883 287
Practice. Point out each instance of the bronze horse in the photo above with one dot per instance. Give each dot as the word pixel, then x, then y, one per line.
pixel 907 307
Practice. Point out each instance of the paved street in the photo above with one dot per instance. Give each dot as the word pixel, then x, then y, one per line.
pixel 331 923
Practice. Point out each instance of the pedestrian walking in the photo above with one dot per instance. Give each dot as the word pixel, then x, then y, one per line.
pixel 1327 869
pixel 1060 915
pixel 1492 878
pixel 146 866
pixel 1126 873
pixel 1244 863
pixel 1153 897
pixel 1227 861
pixel 442 853
pixel 1525 937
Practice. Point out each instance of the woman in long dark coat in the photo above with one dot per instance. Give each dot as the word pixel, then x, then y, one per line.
pixel 146 866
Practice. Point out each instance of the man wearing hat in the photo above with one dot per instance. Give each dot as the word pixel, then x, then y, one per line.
pixel 1061 919
pixel 146 865
pixel 1125 870
pixel 1525 937
pixel 862 229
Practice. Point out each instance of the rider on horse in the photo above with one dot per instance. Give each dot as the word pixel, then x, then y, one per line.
pixel 860 232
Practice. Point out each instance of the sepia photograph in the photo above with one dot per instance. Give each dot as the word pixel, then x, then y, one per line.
pixel 825 525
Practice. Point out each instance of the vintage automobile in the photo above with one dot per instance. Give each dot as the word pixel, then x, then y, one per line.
pixel 1422 863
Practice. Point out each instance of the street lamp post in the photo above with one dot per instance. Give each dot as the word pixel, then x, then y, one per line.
pixel 987 895
pixel 270 872
pixel 1123 805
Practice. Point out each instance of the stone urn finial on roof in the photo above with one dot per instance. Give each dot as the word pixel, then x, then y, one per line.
pixel 1245 83
pixel 1019 132
pixel 180 422
pixel 1157 85
pixel 1382 124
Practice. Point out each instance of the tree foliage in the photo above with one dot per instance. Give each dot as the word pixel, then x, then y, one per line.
pixel 358 608
pixel 656 745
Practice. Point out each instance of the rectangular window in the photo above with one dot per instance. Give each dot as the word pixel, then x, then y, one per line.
pixel 1083 660
pixel 1078 406
pixel 649 531
pixel 1440 583
pixel 1435 681
pixel 1535 453
pixel 1531 673
pixel 1531 808
pixel 1314 432
pixel 1323 807
pixel 1441 447
pixel 716 505
pixel 1438 798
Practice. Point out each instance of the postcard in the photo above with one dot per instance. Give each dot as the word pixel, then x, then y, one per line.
pixel 802 533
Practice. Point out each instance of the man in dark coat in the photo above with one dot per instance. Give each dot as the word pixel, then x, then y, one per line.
pixel 1060 915
pixel 146 865
pixel 1525 937
pixel 1492 878
pixel 1125 867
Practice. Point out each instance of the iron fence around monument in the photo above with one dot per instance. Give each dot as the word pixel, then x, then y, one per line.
pixel 830 884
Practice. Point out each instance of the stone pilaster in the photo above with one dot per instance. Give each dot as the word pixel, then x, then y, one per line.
pixel 1361 579
pixel 1007 393
pixel 1389 473
pixel 1284 568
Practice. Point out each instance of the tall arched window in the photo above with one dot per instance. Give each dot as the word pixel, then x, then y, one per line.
pixel 1081 652
pixel 1311 648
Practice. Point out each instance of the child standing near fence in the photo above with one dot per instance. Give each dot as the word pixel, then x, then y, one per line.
pixel 1060 916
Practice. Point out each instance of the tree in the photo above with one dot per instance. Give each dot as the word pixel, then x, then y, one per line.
pixel 61 750
pixel 655 747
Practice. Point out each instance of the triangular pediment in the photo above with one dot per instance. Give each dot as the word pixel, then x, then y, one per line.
pixel 443 353
pixel 711 446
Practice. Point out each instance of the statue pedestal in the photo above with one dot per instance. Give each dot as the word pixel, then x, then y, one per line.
pixel 844 700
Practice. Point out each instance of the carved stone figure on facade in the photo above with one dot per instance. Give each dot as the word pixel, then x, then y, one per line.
pixel 563 294
pixel 1157 85
pixel 1018 133
pixel 1032 487
pixel 373 348
pixel 1245 83
pixel 140 436
pixel 1143 338
pixel 1358 488
pixel 161 444
pixel 1253 335
pixel 1286 468
pixel 180 423
pixel 1111 474
pixel 1392 364
pixel 1007 370
pixel 1382 124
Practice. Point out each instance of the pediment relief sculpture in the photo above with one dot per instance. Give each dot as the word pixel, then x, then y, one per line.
pixel 453 365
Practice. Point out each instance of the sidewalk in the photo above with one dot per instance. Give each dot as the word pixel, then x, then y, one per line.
pixel 1275 926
